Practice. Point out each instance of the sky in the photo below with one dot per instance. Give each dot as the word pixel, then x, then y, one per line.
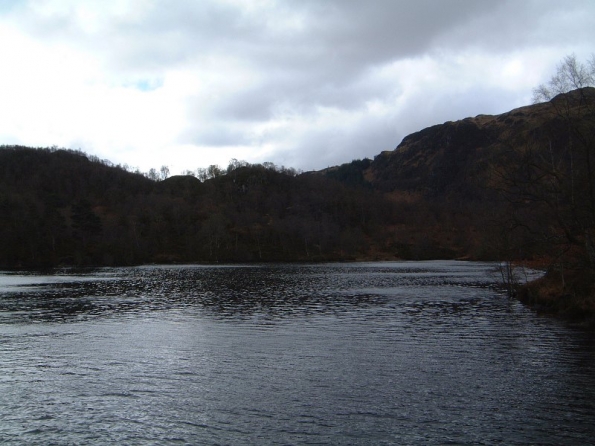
pixel 306 84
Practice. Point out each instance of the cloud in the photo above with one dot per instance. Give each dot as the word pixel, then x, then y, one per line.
pixel 306 84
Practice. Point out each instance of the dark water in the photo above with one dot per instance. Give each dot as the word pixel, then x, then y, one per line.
pixel 379 353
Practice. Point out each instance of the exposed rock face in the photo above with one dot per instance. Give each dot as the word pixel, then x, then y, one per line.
pixel 455 157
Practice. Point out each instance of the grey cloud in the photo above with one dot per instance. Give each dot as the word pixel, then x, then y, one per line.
pixel 215 134
pixel 334 41
pixel 298 95
pixel 338 37
pixel 310 54
pixel 335 38
pixel 322 63
pixel 325 64
pixel 512 25
pixel 322 148
pixel 333 146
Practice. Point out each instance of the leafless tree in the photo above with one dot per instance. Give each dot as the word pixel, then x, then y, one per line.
pixel 570 75
pixel 554 175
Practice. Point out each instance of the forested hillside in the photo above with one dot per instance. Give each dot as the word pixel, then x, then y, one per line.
pixel 59 207
pixel 62 207
pixel 518 186
pixel 445 192
pixel 515 186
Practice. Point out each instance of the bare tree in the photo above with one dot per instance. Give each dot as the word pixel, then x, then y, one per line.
pixel 152 174
pixel 214 171
pixel 570 75
pixel 235 164
pixel 163 173
pixel 201 174
pixel 553 176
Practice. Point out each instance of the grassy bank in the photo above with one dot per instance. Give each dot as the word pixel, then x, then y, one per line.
pixel 569 296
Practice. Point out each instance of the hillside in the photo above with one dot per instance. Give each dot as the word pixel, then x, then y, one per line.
pixel 448 191
pixel 62 207
pixel 520 186
pixel 455 158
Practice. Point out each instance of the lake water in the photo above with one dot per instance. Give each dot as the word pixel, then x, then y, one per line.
pixel 358 354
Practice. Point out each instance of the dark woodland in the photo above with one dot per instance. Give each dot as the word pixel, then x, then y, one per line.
pixel 516 187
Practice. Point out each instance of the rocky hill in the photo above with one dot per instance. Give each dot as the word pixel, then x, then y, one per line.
pixel 519 186
pixel 456 158
pixel 459 189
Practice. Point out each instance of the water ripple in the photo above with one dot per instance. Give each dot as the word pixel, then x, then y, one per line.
pixel 382 353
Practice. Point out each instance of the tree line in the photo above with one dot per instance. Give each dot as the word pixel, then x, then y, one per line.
pixel 62 207
pixel 519 186
pixel 548 185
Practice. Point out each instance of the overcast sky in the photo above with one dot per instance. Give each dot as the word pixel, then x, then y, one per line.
pixel 301 83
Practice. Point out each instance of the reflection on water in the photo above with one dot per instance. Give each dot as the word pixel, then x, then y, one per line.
pixel 373 353
pixel 233 292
